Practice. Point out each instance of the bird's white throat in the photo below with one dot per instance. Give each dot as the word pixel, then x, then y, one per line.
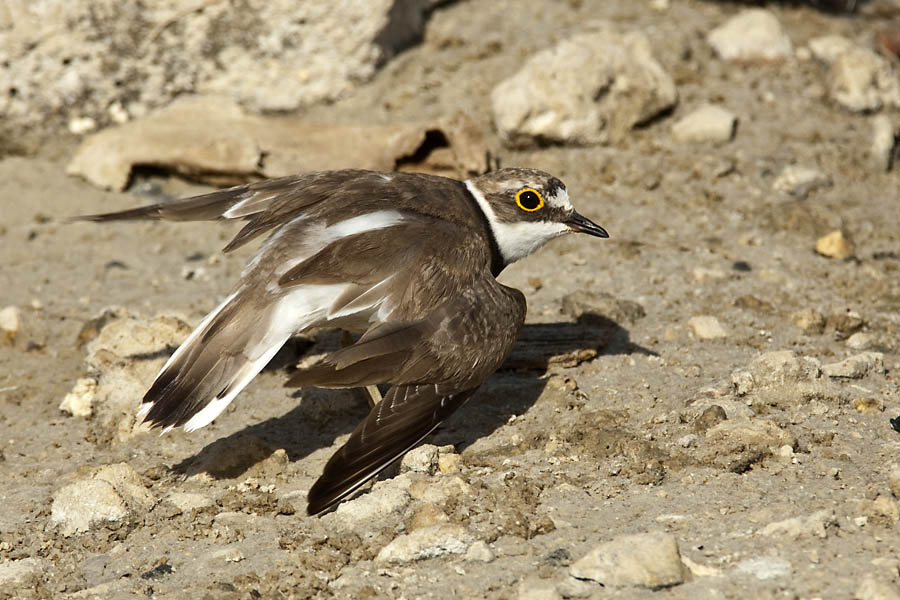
pixel 518 240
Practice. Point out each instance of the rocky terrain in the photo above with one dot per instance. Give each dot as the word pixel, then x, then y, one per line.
pixel 699 407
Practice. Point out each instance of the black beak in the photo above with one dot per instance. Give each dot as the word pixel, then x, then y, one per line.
pixel 584 225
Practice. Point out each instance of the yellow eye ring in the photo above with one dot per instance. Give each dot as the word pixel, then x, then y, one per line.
pixel 529 200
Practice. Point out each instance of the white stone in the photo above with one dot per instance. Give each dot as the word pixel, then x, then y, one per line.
pixel 828 48
pixel 385 502
pixel 707 327
pixel 861 81
pixel 189 501
pixel 751 35
pixel 856 366
pixel 782 366
pixel 79 401
pixel 422 459
pixel 588 89
pixel 799 181
pixel 127 484
pixel 811 525
pixel 479 552
pixel 709 123
pixel 647 560
pixel 279 56
pixel 15 572
pixel 10 322
pixel 861 340
pixel 85 505
pixel 765 568
pixel 428 542
pixel 884 139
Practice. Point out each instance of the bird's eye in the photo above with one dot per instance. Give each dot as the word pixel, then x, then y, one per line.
pixel 529 200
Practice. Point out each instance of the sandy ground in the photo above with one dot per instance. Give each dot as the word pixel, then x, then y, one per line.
pixel 552 462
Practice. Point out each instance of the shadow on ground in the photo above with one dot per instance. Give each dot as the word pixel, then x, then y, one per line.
pixel 324 415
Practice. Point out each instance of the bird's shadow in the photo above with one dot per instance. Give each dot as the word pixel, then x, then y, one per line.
pixel 323 415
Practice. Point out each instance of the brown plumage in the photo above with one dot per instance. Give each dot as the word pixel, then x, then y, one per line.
pixel 407 259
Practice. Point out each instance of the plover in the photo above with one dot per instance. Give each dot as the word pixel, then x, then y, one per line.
pixel 408 260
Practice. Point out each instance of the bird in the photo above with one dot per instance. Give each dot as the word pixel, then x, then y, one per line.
pixel 409 261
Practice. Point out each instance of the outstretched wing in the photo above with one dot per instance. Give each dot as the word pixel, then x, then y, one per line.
pixel 269 204
pixel 435 363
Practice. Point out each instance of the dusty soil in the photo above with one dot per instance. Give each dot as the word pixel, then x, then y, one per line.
pixel 553 461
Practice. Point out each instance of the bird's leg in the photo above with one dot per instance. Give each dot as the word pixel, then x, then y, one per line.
pixel 373 394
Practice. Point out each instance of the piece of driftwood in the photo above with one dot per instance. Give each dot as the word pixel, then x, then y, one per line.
pixel 213 139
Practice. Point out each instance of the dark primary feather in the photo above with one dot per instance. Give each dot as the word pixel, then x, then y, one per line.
pixel 405 417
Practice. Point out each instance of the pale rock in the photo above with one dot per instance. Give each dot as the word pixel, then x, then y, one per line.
pixel 856 366
pixel 650 560
pixel 449 463
pixel 835 245
pixel 868 406
pixel 894 481
pixel 279 56
pixel 828 48
pixel 771 567
pixel 884 141
pixel 707 327
pixel 743 434
pixel 18 572
pixel 79 401
pixel 479 552
pixel 809 320
pixel 782 366
pixel 85 505
pixel 422 459
pixel 873 587
pixel 533 588
pixel 863 81
pixel 427 515
pixel 743 382
pixel 812 525
pixel 753 35
pixel 188 502
pixel 703 273
pixel 589 89
pixel 228 554
pixel 799 181
pixel 127 484
pixel 440 491
pixel 385 503
pixel 429 542
pixel 10 322
pixel 709 123
pixel 122 379
pixel 861 341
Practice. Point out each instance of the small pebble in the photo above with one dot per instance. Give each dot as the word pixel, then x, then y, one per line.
pixel 78 402
pixel 707 327
pixel 708 123
pixel 770 567
pixel 428 542
pixel 835 245
pixel 10 321
pixel 861 341
pixel 884 140
pixel 753 35
pixel 868 406
pixel 799 181
pixel 855 367
pixel 809 320
pixel 479 552
pixel 650 560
